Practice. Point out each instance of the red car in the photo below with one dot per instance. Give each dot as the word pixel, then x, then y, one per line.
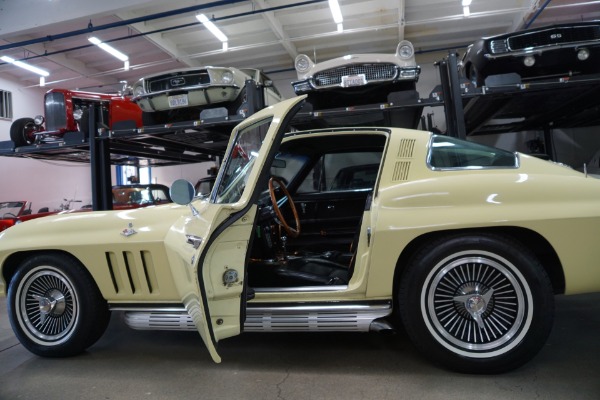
pixel 68 111
pixel 124 197
pixel 12 212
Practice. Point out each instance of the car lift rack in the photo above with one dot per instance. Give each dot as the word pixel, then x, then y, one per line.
pixel 504 105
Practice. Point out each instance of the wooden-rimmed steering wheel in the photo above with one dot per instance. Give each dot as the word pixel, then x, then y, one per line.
pixel 288 229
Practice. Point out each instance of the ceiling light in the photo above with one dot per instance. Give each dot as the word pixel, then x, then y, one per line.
pixel 466 11
pixel 336 11
pixel 212 28
pixel 26 66
pixel 109 49
pixel 466 3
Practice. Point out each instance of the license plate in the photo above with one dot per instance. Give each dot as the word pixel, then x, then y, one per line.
pixel 180 100
pixel 354 80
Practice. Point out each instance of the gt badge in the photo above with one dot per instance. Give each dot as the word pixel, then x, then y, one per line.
pixel 128 231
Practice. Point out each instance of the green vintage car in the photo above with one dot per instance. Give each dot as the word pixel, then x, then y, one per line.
pixel 345 229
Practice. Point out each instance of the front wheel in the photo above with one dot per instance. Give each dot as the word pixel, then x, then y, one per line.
pixel 477 303
pixel 54 306
pixel 22 132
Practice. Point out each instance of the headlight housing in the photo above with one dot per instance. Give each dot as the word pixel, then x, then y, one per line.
pixel 39 119
pixel 405 50
pixel 227 77
pixel 138 90
pixel 221 76
pixel 77 113
pixel 303 63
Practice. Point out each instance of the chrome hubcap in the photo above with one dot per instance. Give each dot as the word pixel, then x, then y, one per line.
pixel 475 302
pixel 47 306
pixel 53 304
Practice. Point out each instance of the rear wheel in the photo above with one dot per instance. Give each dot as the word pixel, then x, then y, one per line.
pixel 55 307
pixel 22 132
pixel 477 304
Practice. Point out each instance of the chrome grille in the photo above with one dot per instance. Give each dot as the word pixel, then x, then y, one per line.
pixel 372 72
pixel 55 111
pixel 554 36
pixel 177 81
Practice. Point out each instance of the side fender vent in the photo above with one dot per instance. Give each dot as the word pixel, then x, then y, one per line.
pixel 132 273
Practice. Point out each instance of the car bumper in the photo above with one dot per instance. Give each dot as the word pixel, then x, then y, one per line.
pixel 402 75
pixel 196 97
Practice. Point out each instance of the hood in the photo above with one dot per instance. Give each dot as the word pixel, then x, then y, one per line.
pixel 147 224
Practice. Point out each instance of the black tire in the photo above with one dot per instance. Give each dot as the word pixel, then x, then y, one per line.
pixel 474 76
pixel 55 307
pixel 21 132
pixel 477 303
pixel 84 123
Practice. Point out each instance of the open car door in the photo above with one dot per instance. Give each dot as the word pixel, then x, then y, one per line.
pixel 209 247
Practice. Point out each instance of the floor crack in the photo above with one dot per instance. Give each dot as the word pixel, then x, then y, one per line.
pixel 279 390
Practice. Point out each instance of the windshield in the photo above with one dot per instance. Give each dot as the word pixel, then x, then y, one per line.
pixel 240 161
pixel 10 209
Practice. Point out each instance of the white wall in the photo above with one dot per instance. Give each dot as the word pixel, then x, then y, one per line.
pixel 189 172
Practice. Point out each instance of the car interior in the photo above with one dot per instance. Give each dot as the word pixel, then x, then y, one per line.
pixel 310 216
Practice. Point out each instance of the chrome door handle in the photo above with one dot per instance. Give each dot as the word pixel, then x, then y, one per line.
pixel 195 241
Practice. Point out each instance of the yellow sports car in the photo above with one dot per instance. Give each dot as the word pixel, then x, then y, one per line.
pixel 340 229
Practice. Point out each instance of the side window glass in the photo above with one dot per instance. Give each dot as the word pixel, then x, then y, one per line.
pixel 343 172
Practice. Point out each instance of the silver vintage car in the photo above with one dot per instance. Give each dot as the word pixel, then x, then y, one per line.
pixel 198 93
pixel 357 79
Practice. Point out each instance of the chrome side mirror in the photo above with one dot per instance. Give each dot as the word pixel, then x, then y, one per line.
pixel 182 192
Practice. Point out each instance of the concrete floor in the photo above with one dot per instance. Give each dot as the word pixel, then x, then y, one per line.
pixel 128 364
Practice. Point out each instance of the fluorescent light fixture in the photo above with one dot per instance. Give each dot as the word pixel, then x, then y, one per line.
pixel 336 11
pixel 126 65
pixel 466 11
pixel 108 48
pixel 466 3
pixel 26 66
pixel 212 27
pixel 42 81
pixel 225 46
pixel 340 27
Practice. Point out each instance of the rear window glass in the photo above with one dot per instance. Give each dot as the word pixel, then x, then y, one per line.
pixel 448 152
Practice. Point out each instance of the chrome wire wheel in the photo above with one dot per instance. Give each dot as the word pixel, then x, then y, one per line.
pixel 476 304
pixel 47 306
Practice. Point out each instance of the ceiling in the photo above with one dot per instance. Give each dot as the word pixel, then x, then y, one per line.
pixel 268 34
